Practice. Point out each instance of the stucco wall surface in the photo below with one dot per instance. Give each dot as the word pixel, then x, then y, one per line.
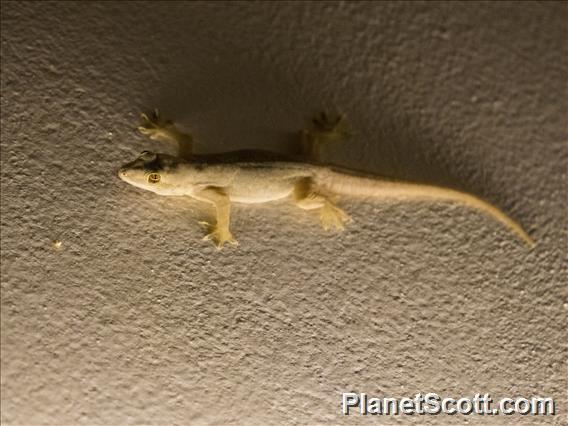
pixel 135 320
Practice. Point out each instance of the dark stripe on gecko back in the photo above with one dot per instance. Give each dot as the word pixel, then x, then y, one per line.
pixel 253 157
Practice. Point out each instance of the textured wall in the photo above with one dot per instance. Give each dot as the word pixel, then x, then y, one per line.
pixel 136 320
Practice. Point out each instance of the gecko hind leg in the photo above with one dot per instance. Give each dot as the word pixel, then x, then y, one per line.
pixel 331 216
pixel 322 129
pixel 159 129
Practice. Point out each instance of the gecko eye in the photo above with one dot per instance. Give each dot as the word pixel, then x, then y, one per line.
pixel 154 178
pixel 147 156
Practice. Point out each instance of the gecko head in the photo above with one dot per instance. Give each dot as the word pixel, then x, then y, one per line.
pixel 152 172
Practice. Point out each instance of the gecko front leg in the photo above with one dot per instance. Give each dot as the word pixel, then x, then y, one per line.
pixel 159 129
pixel 220 233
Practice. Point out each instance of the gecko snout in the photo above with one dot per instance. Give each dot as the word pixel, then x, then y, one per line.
pixel 122 172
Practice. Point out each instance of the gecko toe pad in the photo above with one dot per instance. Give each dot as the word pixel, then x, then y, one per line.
pixel 220 236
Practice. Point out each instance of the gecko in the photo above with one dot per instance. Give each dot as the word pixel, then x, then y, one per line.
pixel 256 176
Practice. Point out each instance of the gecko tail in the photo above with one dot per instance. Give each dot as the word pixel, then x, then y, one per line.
pixel 367 186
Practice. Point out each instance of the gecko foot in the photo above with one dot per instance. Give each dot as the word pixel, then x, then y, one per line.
pixel 159 129
pixel 322 129
pixel 219 236
pixel 155 127
pixel 324 123
pixel 333 217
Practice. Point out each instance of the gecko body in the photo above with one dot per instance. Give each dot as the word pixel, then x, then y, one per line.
pixel 254 176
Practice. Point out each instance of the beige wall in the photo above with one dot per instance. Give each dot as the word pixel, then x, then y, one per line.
pixel 136 320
